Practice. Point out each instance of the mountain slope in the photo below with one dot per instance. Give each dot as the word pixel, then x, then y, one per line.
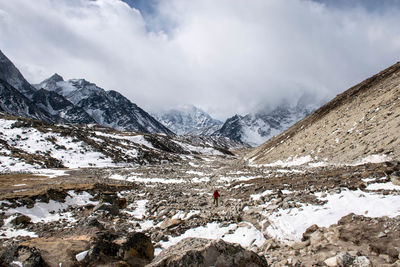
pixel 10 74
pixel 107 108
pixel 256 128
pixel 57 105
pixel 15 103
pixel 358 125
pixel 188 119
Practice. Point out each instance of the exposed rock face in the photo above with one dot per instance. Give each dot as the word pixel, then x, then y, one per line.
pixel 27 256
pixel 107 108
pixel 361 122
pixel 205 252
pixel 10 74
pixel 135 249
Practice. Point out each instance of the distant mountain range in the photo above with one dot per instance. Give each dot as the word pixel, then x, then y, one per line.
pixel 256 128
pixel 189 120
pixel 73 101
pixel 79 101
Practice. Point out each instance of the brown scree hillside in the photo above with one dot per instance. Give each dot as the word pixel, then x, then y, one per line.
pixel 361 122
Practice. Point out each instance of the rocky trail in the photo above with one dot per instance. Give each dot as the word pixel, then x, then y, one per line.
pixel 297 216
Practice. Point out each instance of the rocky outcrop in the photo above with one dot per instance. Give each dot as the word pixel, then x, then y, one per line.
pixel 206 252
pixel 135 249
pixel 19 255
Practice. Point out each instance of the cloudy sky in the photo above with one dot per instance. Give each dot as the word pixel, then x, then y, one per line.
pixel 225 56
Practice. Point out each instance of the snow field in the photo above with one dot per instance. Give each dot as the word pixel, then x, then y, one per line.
pixel 289 225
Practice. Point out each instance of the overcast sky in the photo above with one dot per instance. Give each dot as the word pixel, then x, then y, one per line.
pixel 225 56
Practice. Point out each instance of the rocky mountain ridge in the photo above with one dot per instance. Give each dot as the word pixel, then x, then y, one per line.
pixel 74 101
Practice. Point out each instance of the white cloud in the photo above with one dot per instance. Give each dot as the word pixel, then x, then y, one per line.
pixel 226 56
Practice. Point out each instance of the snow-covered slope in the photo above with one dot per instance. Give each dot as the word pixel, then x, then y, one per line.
pixel 107 108
pixel 27 144
pixel 256 128
pixel 188 119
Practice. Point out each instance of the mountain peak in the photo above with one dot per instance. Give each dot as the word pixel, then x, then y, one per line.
pixel 56 77
pixel 188 119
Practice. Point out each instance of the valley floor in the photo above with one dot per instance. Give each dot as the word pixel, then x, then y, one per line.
pixel 297 216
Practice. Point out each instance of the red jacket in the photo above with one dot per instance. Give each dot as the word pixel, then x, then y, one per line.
pixel 216 194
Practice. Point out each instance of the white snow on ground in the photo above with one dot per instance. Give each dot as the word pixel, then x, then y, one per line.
pixel 139 139
pixel 243 235
pixel 8 164
pixel 375 158
pixel 288 225
pixel 19 184
pixel 289 162
pixel 117 177
pixel 140 210
pixel 386 186
pixel 234 179
pixel 200 180
pixel 195 173
pixel 10 233
pixel 199 149
pixel 258 196
pixel 53 211
pixel 155 180
pixel 50 173
pixel 181 214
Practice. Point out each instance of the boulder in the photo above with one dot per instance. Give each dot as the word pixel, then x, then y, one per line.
pixel 21 219
pixel 207 252
pixel 170 223
pixel 136 249
pixel 27 256
pixel 362 261
pixel 395 178
pixel 113 209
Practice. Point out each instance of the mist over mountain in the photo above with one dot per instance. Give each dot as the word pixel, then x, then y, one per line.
pixel 256 128
pixel 188 119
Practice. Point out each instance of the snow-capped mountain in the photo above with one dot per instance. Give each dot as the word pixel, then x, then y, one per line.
pixel 256 128
pixel 188 119
pixel 107 108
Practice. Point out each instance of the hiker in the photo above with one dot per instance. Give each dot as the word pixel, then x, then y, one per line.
pixel 216 196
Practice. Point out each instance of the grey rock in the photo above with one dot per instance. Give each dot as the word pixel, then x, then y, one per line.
pixel 206 252
pixel 361 261
pixel 344 259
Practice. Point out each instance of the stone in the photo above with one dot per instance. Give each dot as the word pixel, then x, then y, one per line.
pixel 331 262
pixel 309 231
pixel 103 206
pixel 344 259
pixel 21 219
pixel 362 261
pixel 395 178
pixel 137 249
pixel 207 252
pixel 93 222
pixel 170 223
pixel 299 245
pixel 27 256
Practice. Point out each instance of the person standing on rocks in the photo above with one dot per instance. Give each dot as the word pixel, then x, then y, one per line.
pixel 216 196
